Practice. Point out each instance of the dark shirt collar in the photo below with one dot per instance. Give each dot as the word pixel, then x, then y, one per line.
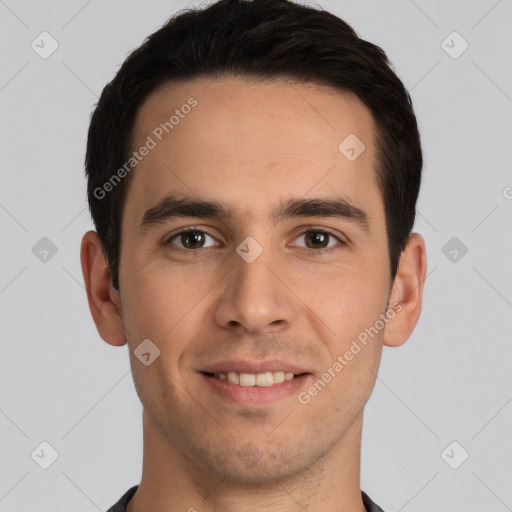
pixel 120 506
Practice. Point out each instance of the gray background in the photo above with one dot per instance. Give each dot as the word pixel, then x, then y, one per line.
pixel 60 383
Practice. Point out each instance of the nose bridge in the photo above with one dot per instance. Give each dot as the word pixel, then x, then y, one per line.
pixel 254 298
pixel 252 268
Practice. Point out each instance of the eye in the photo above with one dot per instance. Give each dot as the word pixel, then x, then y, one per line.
pixel 317 239
pixel 190 239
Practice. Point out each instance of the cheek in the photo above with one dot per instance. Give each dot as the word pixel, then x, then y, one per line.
pixel 348 301
pixel 159 301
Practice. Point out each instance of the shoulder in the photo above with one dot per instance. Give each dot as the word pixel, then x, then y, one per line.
pixel 120 506
pixel 369 504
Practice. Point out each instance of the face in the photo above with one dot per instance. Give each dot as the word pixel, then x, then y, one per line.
pixel 284 272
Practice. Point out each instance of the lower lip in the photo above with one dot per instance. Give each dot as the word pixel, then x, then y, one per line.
pixel 247 395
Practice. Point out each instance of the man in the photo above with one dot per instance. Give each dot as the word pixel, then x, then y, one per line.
pixel 253 170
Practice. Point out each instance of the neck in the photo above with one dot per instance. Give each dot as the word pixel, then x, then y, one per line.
pixel 170 482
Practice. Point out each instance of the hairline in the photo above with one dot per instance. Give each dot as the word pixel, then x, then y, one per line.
pixel 378 136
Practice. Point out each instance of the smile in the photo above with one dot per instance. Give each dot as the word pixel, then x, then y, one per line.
pixel 264 379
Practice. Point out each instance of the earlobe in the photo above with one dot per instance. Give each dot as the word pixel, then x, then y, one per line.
pixel 103 299
pixel 407 292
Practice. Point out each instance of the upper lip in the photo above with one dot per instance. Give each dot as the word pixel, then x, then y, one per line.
pixel 246 366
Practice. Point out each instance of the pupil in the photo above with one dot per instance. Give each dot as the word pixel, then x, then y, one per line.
pixel 192 235
pixel 197 238
pixel 317 235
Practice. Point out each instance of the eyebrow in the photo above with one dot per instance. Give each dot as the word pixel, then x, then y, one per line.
pixel 171 207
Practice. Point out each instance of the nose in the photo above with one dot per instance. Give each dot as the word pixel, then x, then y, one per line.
pixel 256 297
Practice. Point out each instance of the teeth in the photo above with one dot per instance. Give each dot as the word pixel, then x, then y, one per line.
pixel 247 379
pixel 233 377
pixel 264 379
pixel 251 379
pixel 279 377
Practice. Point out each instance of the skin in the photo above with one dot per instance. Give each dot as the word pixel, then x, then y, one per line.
pixel 251 145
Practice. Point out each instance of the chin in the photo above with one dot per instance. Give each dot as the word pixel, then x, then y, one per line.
pixel 254 465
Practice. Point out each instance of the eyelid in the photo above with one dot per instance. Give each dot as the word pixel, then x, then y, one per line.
pixel 338 236
pixel 188 229
pixel 342 242
pixel 304 230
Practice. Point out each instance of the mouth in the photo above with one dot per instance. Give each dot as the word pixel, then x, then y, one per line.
pixel 264 379
pixel 253 389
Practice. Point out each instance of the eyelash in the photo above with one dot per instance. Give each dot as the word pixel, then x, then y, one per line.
pixel 311 252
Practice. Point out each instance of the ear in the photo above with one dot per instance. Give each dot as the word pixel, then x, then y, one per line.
pixel 104 300
pixel 407 292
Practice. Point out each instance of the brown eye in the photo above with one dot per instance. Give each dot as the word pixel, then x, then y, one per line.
pixel 318 239
pixel 190 239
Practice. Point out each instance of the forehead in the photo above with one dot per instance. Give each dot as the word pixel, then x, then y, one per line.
pixel 245 142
